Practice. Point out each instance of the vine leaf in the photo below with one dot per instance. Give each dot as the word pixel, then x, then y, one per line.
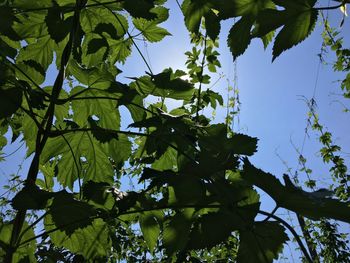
pixel 262 242
pixel 31 197
pixel 234 8
pixel 150 30
pixel 10 95
pixel 150 227
pixel 84 156
pixel 80 213
pixel 206 233
pixel 98 194
pixel 165 84
pixel 90 242
pixel 239 36
pixel 140 8
pixel 57 26
pixel 176 231
pixel 6 26
pixel 294 32
pixel 195 10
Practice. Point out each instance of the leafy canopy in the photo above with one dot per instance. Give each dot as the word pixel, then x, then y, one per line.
pixel 198 187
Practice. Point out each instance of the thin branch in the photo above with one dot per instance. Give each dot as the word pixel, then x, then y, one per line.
pixel 62 8
pixel 294 233
pixel 75 162
pixel 56 133
pixel 201 76
pixel 343 3
pixel 71 98
pixel 31 225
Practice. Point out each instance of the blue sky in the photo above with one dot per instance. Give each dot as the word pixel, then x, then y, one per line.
pixel 271 94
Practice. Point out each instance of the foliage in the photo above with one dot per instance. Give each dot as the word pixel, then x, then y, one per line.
pixel 198 201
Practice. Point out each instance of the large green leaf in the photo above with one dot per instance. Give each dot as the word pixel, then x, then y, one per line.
pixel 194 11
pixel 140 8
pixel 40 52
pixel 299 25
pixel 104 109
pixel 80 213
pixel 10 99
pixel 91 242
pixel 164 84
pixel 150 30
pixel 80 155
pixel 57 26
pixel 31 27
pixel 8 19
pixel 176 231
pixel 213 228
pixel 239 36
pixel 102 28
pixel 150 227
pixel 234 8
pixel 31 197
pixel 92 19
pixel 95 77
pixel 262 242
pixel 120 49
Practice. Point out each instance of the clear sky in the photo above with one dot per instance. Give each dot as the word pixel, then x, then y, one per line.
pixel 273 108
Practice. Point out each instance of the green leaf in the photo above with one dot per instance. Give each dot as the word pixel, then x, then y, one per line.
pixel 262 242
pixel 212 25
pixel 164 84
pixel 31 27
pixel 104 109
pixel 99 77
pixel 57 26
pixel 150 227
pixel 31 197
pixel 300 24
pixel 194 11
pixel 23 253
pixel 120 149
pixel 269 20
pixel 8 19
pixel 234 8
pixel 91 242
pixel 8 47
pixel 140 8
pixel 119 50
pixel 79 156
pixel 80 213
pixel 92 19
pixel 213 228
pixel 98 194
pixel 150 30
pixel 295 199
pixel 95 50
pixel 176 231
pixel 40 52
pixel 167 161
pixel 10 99
pixel 239 36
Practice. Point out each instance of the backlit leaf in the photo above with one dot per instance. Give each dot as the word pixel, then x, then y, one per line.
pixel 262 242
